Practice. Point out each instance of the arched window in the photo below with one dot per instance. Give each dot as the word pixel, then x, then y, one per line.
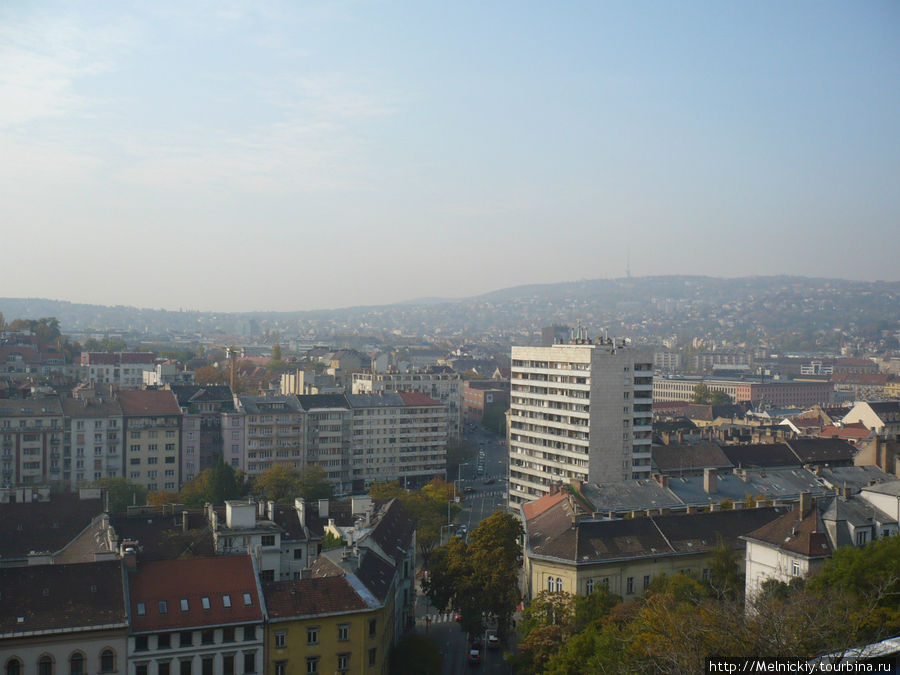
pixel 45 665
pixel 107 661
pixel 14 667
pixel 558 585
pixel 589 586
pixel 550 584
pixel 76 664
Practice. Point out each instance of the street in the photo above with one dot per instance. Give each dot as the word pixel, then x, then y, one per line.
pixel 476 505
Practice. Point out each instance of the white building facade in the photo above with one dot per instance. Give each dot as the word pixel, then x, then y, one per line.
pixel 578 411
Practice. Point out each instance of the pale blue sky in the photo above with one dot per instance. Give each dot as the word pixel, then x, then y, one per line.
pixel 261 155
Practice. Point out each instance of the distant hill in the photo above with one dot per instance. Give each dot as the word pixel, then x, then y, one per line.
pixel 689 305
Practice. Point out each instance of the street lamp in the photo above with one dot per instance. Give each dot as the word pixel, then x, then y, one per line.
pixel 445 527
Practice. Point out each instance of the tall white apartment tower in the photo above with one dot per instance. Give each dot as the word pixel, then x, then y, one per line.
pixel 579 411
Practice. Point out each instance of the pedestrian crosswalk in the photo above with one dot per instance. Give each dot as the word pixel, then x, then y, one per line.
pixel 446 617
pixel 489 493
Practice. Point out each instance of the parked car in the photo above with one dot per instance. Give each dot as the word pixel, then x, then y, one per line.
pixel 474 657
pixel 457 617
pixel 468 490
pixel 490 481
pixel 493 641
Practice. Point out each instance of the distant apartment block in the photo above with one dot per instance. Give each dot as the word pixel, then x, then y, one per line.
pixel 152 438
pixel 31 441
pixel 273 432
pixel 205 434
pixel 93 441
pixel 578 411
pixel 441 386
pixel 481 395
pixel 125 369
pixel 665 360
pixel 778 393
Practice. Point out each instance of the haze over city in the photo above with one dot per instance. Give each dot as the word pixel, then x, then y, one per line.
pixel 278 156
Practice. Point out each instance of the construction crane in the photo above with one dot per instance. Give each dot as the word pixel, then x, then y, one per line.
pixel 232 354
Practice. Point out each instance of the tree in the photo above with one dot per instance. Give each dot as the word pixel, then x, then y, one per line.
pixel 700 394
pixel 121 493
pixel 414 655
pixel 276 352
pixel 162 498
pixel 283 483
pixel 313 483
pixel 480 577
pixel 214 485
pixel 719 398
pixel 547 623
pixel 330 541
pixel 209 375
pixel 725 578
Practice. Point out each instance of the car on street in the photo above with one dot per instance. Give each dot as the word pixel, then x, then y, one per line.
pixel 490 481
pixel 493 641
pixel 468 490
pixel 457 617
pixel 474 657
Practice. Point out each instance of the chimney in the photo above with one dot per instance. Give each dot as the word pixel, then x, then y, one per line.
pixel 689 509
pixel 713 507
pixel 709 481
pixel 323 508
pixel 270 510
pixel 185 525
pixel 680 437
pixel 129 559
pixel 664 481
pixel 760 503
pixel 306 573
pixel 300 505
pixel 261 508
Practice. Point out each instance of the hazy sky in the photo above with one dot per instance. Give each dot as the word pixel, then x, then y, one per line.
pixel 261 155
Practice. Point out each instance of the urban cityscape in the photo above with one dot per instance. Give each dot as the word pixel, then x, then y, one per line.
pixel 428 339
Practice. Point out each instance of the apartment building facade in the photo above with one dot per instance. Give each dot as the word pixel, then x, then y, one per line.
pixel 152 438
pixel 31 441
pixel 125 369
pixel 578 411
pixel 441 386
pixel 93 441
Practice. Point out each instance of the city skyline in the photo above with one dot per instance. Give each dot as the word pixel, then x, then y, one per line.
pixel 278 157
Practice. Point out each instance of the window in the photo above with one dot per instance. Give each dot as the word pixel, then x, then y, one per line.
pixel 76 664
pixel 629 585
pixel 861 538
pixel 162 668
pixel 163 640
pixel 646 582
pixel 795 569
pixel 279 639
pixel 589 586
pixel 281 668
pixel 373 656
pixel 226 601
pixel 163 607
pixel 343 662
pixel 249 632
pixel 267 575
pixel 228 664
pixel 185 606
pixel 372 625
pixel 312 664
pixel 107 661
pixel 550 584
pixel 228 634
pixel 559 585
pixel 343 632
pixel 268 540
pixel 298 554
pixel 14 667
pixel 141 609
pixel 140 643
pixel 207 665
pixel 207 637
pixel 249 662
pixel 140 669
pixel 185 638
pixel 312 636
pixel 184 667
pixel 247 600
pixel 204 602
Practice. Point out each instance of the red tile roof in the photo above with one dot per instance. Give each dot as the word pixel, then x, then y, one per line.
pixel 415 398
pixel 148 402
pixel 193 579
pixel 305 597
pixel 536 508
